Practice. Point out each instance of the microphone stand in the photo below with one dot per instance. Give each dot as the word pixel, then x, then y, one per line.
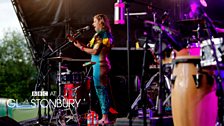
pixel 128 61
pixel 161 32
pixel 61 46
pixel 143 90
pixel 219 90
pixel 143 94
pixel 161 81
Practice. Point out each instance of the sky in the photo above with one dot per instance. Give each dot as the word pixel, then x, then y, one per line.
pixel 8 18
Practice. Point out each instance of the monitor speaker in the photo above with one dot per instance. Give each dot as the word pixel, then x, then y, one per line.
pixel 6 121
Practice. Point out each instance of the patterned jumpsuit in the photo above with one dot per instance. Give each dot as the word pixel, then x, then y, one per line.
pixel 102 42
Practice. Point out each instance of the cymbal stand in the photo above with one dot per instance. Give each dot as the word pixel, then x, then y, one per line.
pixel 161 79
pixel 59 76
pixel 61 114
pixel 60 86
pixel 161 95
pixel 127 4
pixel 143 94
pixel 60 97
pixel 160 102
pixel 159 28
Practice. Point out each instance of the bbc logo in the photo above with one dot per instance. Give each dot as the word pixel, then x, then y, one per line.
pixel 39 93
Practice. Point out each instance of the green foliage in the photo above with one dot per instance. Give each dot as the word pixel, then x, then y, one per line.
pixel 17 72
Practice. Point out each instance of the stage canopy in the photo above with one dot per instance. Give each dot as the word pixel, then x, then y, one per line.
pixel 46 22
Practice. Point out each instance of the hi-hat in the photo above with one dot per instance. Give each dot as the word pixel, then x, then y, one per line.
pixel 189 27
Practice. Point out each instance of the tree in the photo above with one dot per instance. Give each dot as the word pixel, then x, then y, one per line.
pixel 17 72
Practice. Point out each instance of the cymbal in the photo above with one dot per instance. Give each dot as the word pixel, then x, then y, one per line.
pixel 167 29
pixel 190 21
pixel 81 60
pixel 60 59
pixel 204 29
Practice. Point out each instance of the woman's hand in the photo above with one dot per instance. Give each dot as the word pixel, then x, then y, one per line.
pixel 77 43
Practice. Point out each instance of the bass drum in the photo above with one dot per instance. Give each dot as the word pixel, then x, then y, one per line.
pixel 193 96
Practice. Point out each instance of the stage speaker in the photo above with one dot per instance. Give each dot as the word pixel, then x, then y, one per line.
pixel 6 121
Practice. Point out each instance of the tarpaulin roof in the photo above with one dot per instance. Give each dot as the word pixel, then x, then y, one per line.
pixel 48 21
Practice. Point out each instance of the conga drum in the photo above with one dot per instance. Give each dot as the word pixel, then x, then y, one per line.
pixel 193 49
pixel 193 95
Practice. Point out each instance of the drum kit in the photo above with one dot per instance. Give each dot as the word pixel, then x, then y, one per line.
pixel 70 91
pixel 194 59
pixel 194 99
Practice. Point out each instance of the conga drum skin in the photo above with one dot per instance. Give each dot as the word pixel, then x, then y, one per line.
pixel 193 49
pixel 192 104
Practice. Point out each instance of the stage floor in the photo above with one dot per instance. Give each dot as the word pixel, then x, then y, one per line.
pixel 124 121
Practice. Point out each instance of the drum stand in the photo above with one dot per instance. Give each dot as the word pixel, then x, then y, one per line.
pixel 161 78
pixel 61 110
pixel 161 94
pixel 148 84
pixel 61 114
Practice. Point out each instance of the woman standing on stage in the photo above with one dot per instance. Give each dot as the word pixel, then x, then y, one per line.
pixel 99 48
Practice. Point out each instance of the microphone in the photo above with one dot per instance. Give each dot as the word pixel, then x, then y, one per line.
pixel 73 35
pixel 47 45
pixel 86 28
pixel 119 8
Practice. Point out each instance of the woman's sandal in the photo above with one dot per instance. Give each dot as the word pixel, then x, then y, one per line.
pixel 104 122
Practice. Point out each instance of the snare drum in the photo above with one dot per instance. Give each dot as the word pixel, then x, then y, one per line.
pixel 207 58
pixel 193 96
